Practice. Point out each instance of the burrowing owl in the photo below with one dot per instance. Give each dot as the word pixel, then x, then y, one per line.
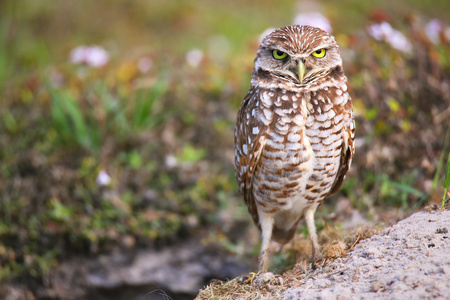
pixel 294 133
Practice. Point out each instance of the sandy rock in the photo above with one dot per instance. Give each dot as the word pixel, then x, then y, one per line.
pixel 410 260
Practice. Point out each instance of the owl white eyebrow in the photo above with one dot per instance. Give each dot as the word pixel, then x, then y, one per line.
pixel 321 47
pixel 277 47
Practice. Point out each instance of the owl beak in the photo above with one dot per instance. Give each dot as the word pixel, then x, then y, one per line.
pixel 301 69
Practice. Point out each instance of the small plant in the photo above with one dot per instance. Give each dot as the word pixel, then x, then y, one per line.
pixel 191 154
pixel 437 175
pixel 144 111
pixel 71 122
pixel 446 182
pixel 59 211
pixel 400 191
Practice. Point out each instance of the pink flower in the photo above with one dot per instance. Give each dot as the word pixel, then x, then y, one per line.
pixel 385 32
pixel 433 29
pixel 93 56
pixel 315 19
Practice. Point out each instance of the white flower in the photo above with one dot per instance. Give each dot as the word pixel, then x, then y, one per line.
pixel 380 31
pixel 395 38
pixel 145 64
pixel 171 161
pixel 103 178
pixel 77 55
pixel 194 57
pixel 398 41
pixel 96 56
pixel 93 56
pixel 315 19
pixel 433 30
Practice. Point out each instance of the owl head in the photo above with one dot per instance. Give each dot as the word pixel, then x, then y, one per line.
pixel 296 56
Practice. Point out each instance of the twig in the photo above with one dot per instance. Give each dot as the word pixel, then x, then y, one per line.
pixel 428 250
pixel 355 276
pixel 355 242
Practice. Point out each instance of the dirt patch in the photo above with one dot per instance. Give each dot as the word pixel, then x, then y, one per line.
pixel 409 260
pixel 174 272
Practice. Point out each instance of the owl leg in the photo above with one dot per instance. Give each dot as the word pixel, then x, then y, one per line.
pixel 266 221
pixel 309 218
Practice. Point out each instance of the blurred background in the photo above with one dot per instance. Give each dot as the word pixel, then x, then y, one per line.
pixel 116 136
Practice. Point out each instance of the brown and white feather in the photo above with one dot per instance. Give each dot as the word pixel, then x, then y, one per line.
pixel 293 139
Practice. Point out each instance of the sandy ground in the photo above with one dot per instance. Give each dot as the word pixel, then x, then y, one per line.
pixel 410 260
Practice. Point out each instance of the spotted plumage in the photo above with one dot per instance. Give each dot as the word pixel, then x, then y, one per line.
pixel 294 132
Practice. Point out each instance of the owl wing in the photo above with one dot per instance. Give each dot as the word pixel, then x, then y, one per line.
pixel 348 150
pixel 249 142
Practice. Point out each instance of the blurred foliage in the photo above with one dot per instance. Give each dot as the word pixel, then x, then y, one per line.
pixel 446 182
pixel 160 124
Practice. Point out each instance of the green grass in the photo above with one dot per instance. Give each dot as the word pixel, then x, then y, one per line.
pixel 446 182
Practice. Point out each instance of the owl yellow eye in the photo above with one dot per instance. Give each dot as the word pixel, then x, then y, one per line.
pixel 319 53
pixel 277 54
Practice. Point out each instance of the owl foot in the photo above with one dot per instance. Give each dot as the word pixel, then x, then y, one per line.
pixel 317 260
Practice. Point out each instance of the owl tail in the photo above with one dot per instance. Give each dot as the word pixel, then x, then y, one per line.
pixel 283 236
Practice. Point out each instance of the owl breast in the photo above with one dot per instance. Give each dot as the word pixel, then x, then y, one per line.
pixel 301 155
